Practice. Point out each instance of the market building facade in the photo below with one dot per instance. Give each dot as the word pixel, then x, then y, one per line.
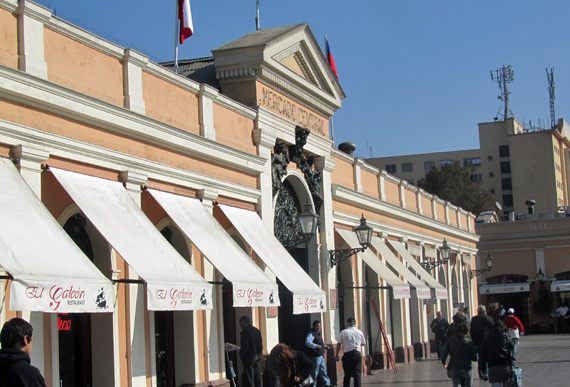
pixel 146 212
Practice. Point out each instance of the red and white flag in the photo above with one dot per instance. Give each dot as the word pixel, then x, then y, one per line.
pixel 185 17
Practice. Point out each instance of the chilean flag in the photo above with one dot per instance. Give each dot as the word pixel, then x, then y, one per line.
pixel 185 17
pixel 330 57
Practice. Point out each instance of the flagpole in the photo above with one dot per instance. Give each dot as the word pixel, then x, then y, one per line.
pixel 176 25
pixel 257 27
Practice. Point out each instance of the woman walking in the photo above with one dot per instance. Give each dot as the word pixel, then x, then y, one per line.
pixel 498 354
pixel 462 353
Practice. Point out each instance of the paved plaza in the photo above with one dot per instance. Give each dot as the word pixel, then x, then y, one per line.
pixel 544 359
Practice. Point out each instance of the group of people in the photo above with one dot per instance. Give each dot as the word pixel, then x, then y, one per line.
pixel 293 368
pixel 490 342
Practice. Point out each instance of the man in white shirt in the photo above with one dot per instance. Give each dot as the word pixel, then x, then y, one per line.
pixel 351 339
pixel 563 316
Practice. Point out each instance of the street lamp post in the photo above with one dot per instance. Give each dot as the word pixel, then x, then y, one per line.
pixel 364 235
pixel 488 261
pixel 444 251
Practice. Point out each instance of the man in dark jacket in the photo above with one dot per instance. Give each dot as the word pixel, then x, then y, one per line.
pixel 439 326
pixel 250 353
pixel 480 329
pixel 315 351
pixel 15 367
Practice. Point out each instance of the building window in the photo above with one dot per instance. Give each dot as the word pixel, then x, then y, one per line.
pixel 506 184
pixel 477 177
pixel 508 200
pixel 473 160
pixel 410 181
pixel 505 167
pixel 491 174
pixel 489 158
pixel 443 163
pixel 391 168
pixel 407 167
pixel 504 151
pixel 429 165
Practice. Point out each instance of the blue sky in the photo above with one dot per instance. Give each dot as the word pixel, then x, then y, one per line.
pixel 415 72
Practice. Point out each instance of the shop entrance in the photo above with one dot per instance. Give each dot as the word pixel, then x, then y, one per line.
pixel 74 338
pixel 293 328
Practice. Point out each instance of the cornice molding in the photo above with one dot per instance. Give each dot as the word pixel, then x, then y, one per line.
pixel 16 134
pixel 59 100
pixel 359 200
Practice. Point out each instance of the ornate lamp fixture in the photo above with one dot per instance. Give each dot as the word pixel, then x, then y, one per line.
pixel 488 261
pixel 540 277
pixel 364 235
pixel 309 221
pixel 444 252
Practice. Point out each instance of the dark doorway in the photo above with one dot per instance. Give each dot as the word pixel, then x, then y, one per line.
pixel 230 334
pixel 164 347
pixel 74 329
pixel 293 328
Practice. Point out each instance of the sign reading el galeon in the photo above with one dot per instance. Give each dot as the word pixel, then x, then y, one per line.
pixel 292 111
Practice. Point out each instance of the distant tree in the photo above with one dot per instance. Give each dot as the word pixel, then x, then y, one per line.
pixel 454 182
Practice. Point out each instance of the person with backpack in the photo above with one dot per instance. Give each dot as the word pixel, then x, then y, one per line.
pixel 462 353
pixel 498 354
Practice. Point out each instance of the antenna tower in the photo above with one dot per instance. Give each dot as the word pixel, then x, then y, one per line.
pixel 503 77
pixel 552 94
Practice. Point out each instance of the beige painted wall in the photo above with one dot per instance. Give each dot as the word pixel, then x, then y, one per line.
pixel 8 39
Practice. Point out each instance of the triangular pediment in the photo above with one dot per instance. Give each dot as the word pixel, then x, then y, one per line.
pixel 288 58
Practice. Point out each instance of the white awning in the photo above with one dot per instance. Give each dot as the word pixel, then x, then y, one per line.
pixel 560 286
pixel 172 284
pixel 520 287
pixel 251 286
pixel 422 291
pixel 399 287
pixel 440 290
pixel 51 274
pixel 307 296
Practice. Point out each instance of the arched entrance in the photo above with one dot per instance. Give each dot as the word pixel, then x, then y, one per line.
pixel 85 340
pixel 173 331
pixel 287 229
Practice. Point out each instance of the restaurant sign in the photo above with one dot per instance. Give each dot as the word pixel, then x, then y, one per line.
pixel 61 297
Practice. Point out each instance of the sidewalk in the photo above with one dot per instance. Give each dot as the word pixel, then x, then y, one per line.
pixel 544 359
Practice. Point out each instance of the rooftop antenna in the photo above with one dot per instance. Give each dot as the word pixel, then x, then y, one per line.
pixel 369 148
pixel 257 27
pixel 503 77
pixel 552 94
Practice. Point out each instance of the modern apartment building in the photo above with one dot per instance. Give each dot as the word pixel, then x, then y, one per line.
pixel 512 163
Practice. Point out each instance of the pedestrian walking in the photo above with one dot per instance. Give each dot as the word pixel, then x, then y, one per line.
pixel 315 351
pixel 462 353
pixel 293 368
pixel 351 340
pixel 439 326
pixel 562 311
pixel 250 353
pixel 16 339
pixel 498 354
pixel 481 325
pixel 457 319
pixel 514 327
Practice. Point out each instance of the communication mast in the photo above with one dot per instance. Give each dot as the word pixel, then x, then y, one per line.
pixel 552 94
pixel 503 77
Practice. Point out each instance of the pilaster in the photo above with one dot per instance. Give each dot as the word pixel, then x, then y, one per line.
pixel 357 165
pixel 206 98
pixel 29 161
pixel 31 18
pixel 139 326
pixel 402 192
pixel 133 62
